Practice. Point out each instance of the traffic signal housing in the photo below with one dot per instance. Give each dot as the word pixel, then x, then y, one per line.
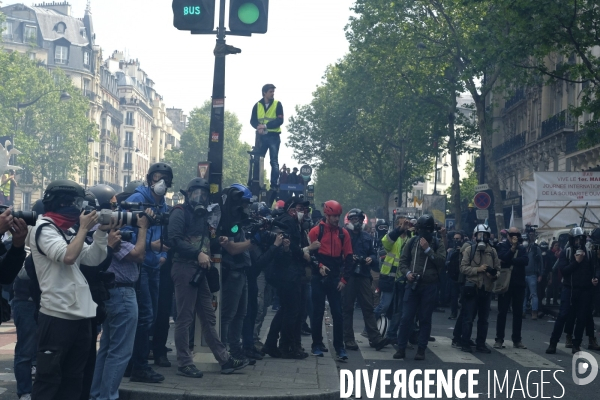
pixel 248 16
pixel 194 15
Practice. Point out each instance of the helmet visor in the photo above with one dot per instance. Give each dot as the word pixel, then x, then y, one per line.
pixel 199 196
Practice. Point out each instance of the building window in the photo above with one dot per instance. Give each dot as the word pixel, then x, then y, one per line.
pixel 126 180
pixel 129 118
pixel 30 33
pixel 128 139
pixel 438 175
pixel 61 55
pixel 86 58
pixel 7 30
pixel 61 27
pixel 86 87
pixel 83 33
pixel 31 56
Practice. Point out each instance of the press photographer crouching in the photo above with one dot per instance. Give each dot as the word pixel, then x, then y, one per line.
pixel 120 307
pixel 194 279
pixel 64 322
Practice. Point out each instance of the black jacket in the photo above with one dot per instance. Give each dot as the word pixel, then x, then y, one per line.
pixel 577 275
pixel 362 246
pixel 518 260
pixel 11 261
pixel 183 224
pixel 296 253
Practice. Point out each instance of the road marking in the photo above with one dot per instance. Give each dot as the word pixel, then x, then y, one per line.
pixel 10 346
pixel 8 329
pixel 7 376
pixel 442 348
pixel 369 353
pixel 525 357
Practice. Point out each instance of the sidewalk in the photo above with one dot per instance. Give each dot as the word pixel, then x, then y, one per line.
pixel 311 378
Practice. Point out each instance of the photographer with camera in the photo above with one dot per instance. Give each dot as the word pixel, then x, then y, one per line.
pixel 422 261
pixel 513 259
pixel 335 265
pixel 11 260
pixel 359 284
pixel 533 272
pixel 190 237
pixel 67 307
pixel 158 180
pixel 121 308
pixel 453 272
pixel 579 268
pixel 480 266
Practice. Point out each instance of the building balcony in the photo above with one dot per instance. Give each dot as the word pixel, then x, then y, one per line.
pixel 90 95
pixel 563 121
pixel 128 144
pixel 138 103
pixel 127 166
pixel 510 146
pixel 115 114
pixel 516 97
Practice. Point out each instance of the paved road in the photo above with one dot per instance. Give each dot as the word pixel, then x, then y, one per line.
pixel 440 355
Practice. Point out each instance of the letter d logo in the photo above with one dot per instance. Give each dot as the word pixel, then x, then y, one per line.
pixel 579 369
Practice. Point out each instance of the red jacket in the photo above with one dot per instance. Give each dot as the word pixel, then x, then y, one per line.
pixel 333 254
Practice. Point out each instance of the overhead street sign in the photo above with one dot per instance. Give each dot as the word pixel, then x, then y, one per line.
pixel 482 200
pixel 481 188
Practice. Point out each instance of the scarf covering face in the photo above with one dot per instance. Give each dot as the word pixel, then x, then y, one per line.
pixel 64 217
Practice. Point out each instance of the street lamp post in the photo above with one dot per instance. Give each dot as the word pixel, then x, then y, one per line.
pixel 87 160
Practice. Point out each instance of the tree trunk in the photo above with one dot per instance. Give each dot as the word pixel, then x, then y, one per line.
pixel 400 175
pixel 490 168
pixel 386 204
pixel 455 189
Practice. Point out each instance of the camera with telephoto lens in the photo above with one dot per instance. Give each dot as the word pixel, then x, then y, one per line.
pixel 415 282
pixel 122 217
pixel 197 277
pixel 161 219
pixel 492 271
pixel 30 217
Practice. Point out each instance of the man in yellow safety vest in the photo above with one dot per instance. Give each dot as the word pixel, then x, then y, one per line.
pixel 8 179
pixel 267 118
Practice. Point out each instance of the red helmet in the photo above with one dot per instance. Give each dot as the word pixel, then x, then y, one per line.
pixel 332 207
pixel 280 204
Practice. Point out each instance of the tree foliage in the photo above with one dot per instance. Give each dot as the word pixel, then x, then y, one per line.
pixel 194 148
pixel 52 135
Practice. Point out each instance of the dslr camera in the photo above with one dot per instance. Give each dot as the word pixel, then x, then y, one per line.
pixel 359 262
pixel 492 271
pixel 126 236
pixel 30 217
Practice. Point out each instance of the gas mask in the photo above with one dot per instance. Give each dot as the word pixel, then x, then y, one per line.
pixel 199 200
pixel 482 237
pixel 481 246
pixel 160 188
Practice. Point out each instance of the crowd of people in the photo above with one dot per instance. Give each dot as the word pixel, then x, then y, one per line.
pixel 88 267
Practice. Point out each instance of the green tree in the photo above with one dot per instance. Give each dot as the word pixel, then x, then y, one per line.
pixel 51 135
pixel 194 148
pixel 467 185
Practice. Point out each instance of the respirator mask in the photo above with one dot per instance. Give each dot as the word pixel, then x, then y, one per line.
pixel 160 188
pixel 199 200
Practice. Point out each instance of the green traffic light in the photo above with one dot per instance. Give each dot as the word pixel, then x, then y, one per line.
pixel 248 13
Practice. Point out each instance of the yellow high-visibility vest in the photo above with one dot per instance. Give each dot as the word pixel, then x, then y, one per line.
pixel 268 116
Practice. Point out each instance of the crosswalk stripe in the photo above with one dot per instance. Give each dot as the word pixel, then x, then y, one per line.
pixel 10 346
pixel 525 357
pixel 564 350
pixel 369 353
pixel 442 348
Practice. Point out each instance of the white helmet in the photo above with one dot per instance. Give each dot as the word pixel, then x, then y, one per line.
pixel 482 233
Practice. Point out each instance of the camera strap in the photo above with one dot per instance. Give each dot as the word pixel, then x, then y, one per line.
pixel 38 232
pixel 415 258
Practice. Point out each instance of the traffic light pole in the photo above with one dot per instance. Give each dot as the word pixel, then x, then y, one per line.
pixel 217 114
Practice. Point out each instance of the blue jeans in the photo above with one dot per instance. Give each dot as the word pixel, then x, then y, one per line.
pixel 116 343
pixel 384 303
pixel 322 288
pixel 271 142
pixel 423 300
pixel 531 289
pixel 147 307
pixel 394 325
pixel 26 348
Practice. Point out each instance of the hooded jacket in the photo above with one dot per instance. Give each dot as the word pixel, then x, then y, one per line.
pixel 143 194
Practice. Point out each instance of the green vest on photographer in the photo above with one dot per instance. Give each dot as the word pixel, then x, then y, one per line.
pixel 268 116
